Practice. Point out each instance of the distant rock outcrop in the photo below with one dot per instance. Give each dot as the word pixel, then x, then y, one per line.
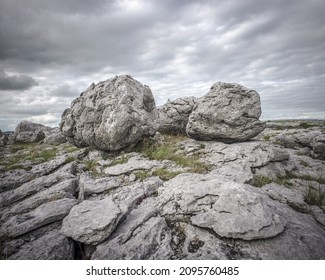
pixel 228 113
pixel 111 115
pixel 174 115
pixel 29 132
pixel 3 138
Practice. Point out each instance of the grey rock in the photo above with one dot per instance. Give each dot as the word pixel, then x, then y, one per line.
pixel 3 139
pixel 12 179
pixel 318 214
pixel 54 137
pixel 230 209
pixel 32 187
pixel 238 160
pixel 150 240
pixel 174 115
pixel 111 115
pixel 87 224
pixel 49 166
pixel 65 189
pixel 228 112
pixel 89 185
pixel 134 163
pixel 285 195
pixel 45 214
pixel 52 246
pixel 29 132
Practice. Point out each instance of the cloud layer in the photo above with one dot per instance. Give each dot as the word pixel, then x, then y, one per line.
pixel 178 48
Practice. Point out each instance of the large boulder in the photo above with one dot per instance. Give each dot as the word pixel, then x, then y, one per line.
pixel 29 132
pixel 174 115
pixel 111 115
pixel 228 112
pixel 3 138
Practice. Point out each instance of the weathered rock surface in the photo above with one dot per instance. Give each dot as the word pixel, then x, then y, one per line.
pixel 228 112
pixel 253 200
pixel 45 214
pixel 91 222
pixel 54 137
pixel 173 116
pixel 52 246
pixel 134 163
pixel 111 115
pixel 3 139
pixel 231 210
pixel 29 132
pixel 293 199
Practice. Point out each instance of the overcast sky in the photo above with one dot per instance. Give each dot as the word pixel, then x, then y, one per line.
pixel 51 50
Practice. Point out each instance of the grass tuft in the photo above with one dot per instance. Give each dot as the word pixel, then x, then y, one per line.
pixel 314 197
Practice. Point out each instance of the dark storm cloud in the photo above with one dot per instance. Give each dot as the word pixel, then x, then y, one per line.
pixel 15 82
pixel 176 47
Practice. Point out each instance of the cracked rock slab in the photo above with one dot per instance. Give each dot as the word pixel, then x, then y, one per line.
pixel 134 163
pixel 230 209
pixel 43 215
pixel 52 246
pixel 91 222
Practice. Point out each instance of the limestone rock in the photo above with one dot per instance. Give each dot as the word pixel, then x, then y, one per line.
pixel 230 209
pixel 65 189
pixel 32 187
pixel 228 112
pixel 285 195
pixel 111 115
pixel 134 163
pixel 52 246
pixel 91 222
pixel 29 132
pixel 89 185
pixel 54 137
pixel 3 139
pixel 174 115
pixel 45 214
pixel 14 178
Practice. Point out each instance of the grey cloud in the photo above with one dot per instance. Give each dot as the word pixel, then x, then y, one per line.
pixel 176 47
pixel 15 82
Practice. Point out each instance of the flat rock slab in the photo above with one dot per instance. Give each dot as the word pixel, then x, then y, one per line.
pixel 45 214
pixel 230 209
pixel 89 185
pixel 52 246
pixel 65 189
pixel 294 199
pixel 134 163
pixel 14 178
pixel 32 187
pixel 91 222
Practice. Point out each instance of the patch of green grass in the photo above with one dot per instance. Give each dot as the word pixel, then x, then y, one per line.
pixel 304 163
pixel 141 175
pixel 29 152
pixel 320 180
pixel 91 165
pixel 314 197
pixel 18 147
pixel 306 125
pixel 70 148
pixel 260 180
pixel 45 154
pixel 165 174
pixel 168 151
pixel 267 137
pixel 202 146
pixel 122 159
pixel 69 159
